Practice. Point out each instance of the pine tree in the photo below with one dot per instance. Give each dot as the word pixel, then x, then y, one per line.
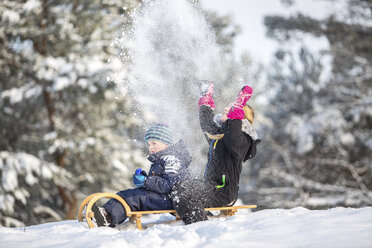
pixel 59 105
pixel 320 137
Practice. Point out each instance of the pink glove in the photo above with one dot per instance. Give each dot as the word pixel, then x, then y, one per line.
pixel 236 112
pixel 206 91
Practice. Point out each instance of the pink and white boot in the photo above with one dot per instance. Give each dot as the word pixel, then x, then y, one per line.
pixel 236 112
pixel 206 91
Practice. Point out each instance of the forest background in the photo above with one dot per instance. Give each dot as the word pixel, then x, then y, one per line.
pixel 72 121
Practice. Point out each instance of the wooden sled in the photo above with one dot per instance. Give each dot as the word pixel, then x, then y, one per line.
pixel 135 216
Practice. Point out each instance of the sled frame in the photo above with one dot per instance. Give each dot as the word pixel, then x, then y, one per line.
pixel 135 216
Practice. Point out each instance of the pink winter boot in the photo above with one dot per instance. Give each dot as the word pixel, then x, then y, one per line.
pixel 236 112
pixel 206 91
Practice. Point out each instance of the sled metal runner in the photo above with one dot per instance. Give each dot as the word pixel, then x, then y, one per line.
pixel 135 216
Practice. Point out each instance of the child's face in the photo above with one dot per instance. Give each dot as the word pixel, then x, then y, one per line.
pixel 155 146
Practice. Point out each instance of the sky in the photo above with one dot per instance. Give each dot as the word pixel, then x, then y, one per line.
pixel 249 15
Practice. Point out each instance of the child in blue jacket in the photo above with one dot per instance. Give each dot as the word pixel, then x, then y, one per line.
pixel 169 165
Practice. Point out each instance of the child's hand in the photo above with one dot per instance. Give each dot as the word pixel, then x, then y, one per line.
pixel 206 92
pixel 139 177
pixel 138 180
pixel 206 88
pixel 140 172
pixel 236 111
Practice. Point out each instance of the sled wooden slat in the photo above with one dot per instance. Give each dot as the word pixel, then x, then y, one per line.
pixel 83 204
pixel 90 200
pixel 232 207
pixel 155 212
pixel 207 209
pixel 135 216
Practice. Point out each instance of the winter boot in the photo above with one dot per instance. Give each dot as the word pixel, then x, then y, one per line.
pixel 210 214
pixel 196 216
pixel 206 91
pixel 236 112
pixel 103 218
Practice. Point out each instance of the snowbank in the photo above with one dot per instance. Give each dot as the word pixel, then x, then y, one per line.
pixel 298 227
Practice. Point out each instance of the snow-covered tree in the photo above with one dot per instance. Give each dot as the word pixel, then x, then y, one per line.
pixel 29 181
pixel 59 105
pixel 320 135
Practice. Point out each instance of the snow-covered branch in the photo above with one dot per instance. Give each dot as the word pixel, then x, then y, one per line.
pixel 43 209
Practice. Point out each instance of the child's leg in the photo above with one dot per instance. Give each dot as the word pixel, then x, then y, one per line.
pixel 191 197
pixel 117 211
pixel 138 199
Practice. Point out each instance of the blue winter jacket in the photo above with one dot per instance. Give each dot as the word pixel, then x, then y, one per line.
pixel 168 167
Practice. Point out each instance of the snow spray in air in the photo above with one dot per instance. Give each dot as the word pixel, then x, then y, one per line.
pixel 167 51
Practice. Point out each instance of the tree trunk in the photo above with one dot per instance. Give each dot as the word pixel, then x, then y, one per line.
pixel 68 197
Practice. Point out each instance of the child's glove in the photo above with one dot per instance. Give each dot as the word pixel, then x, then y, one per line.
pixel 140 171
pixel 206 91
pixel 139 177
pixel 236 112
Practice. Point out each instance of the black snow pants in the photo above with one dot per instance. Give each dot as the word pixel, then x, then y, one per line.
pixel 190 197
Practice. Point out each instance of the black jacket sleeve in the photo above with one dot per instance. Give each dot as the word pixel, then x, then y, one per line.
pixel 236 141
pixel 207 124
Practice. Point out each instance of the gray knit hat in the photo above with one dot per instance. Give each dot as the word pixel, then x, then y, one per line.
pixel 160 132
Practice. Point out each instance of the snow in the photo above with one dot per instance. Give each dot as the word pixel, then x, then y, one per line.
pixel 7 203
pixel 9 177
pixel 297 227
pixel 10 16
pixel 31 5
pixel 167 51
pixel 301 131
pixel 16 95
pixel 60 83
pixel 16 168
pixel 327 122
pixel 169 45
pixel 347 139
